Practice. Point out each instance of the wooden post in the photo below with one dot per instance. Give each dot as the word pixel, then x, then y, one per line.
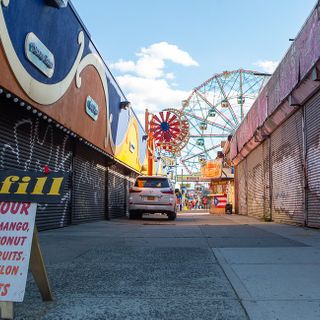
pixel 38 268
pixel 6 310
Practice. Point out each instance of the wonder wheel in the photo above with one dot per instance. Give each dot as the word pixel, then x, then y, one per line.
pixel 214 110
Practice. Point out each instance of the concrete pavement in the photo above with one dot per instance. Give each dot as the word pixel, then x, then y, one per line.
pixel 197 267
pixel 277 278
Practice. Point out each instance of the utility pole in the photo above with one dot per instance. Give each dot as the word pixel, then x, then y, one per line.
pixel 150 146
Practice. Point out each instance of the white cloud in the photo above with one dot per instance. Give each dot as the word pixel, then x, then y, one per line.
pixel 156 94
pixel 166 51
pixel 145 81
pixel 149 67
pixel 267 65
pixel 124 66
pixel 146 67
pixel 151 60
pixel 170 76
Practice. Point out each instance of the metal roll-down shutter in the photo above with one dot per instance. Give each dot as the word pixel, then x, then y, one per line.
pixel 287 171
pixel 89 185
pixel 313 160
pixel 267 180
pixel 118 186
pixel 28 142
pixel 241 187
pixel 255 194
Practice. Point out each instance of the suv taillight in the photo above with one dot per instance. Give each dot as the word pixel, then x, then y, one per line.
pixel 167 192
pixel 134 191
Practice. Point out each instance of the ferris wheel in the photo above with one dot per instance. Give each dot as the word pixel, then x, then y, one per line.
pixel 214 110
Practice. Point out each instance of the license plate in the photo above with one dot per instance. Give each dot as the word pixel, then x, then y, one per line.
pixel 151 198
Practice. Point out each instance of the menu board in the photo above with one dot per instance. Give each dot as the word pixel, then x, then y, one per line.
pixel 16 231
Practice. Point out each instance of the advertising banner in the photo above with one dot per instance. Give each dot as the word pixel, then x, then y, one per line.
pixel 188 178
pixel 34 187
pixel 16 232
pixel 212 169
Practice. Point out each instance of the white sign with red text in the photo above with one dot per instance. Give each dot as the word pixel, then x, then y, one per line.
pixel 16 231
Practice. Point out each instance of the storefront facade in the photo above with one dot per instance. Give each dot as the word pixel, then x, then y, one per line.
pixel 276 148
pixel 62 108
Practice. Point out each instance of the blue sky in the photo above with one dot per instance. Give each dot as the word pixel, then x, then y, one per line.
pixel 159 50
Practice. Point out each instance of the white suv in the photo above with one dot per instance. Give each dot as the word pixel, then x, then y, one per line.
pixel 152 194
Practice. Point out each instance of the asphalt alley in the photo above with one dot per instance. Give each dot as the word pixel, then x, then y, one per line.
pixel 199 266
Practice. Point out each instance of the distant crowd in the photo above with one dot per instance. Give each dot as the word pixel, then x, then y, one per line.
pixel 191 203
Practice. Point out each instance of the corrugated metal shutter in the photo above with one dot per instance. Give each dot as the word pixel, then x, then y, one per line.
pixel 28 142
pixel 266 177
pixel 89 185
pixel 241 187
pixel 313 160
pixel 287 171
pixel 256 183
pixel 118 190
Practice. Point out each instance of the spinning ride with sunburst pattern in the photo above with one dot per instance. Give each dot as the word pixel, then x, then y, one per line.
pixel 170 131
pixel 214 110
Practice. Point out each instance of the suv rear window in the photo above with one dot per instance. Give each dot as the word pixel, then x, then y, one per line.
pixel 152 183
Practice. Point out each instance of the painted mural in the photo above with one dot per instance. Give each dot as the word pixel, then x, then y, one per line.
pixel 129 150
pixel 62 75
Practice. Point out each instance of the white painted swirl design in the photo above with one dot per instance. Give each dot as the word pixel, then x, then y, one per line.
pixel 95 61
pixel 46 94
pixel 39 92
pixel 5 2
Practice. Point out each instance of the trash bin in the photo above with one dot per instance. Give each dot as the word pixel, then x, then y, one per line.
pixel 228 208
